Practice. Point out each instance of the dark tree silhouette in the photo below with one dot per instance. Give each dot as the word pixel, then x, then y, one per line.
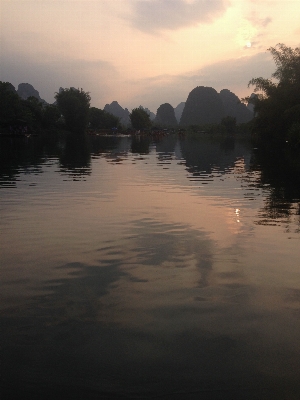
pixel 74 106
pixel 229 123
pixel 139 118
pixel 100 119
pixel 13 111
pixel 277 105
pixel 50 116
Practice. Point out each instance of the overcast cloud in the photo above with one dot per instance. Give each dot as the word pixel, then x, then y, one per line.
pixel 47 77
pixel 259 22
pixel 98 77
pixel 155 15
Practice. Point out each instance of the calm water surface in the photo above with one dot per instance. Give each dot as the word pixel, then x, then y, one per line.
pixel 140 269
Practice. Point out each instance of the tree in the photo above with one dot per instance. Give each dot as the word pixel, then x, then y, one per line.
pixel 229 123
pixel 278 102
pixel 139 118
pixel 74 106
pixel 101 119
pixel 50 116
pixel 14 112
pixel 35 108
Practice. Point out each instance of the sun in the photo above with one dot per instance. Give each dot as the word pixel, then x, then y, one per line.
pixel 246 33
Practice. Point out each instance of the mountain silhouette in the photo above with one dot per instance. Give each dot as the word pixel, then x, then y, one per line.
pixel 165 115
pixel 114 108
pixel 178 110
pixel 234 108
pixel 26 90
pixel 203 106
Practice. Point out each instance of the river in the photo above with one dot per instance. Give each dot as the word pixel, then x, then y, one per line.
pixel 134 268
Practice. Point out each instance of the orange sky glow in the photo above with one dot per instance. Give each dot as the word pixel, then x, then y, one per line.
pixel 144 52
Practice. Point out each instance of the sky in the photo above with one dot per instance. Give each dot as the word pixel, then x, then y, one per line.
pixel 142 52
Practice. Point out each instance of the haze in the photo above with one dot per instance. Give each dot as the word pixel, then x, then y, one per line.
pixel 145 52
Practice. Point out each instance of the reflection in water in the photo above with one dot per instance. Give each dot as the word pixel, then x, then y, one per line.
pixel 280 174
pixel 140 144
pixel 138 281
pixel 17 155
pixel 206 157
pixel 76 157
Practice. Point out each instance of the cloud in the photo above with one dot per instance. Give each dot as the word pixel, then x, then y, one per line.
pixel 48 74
pixel 259 22
pixel 152 16
pixel 106 84
pixel 239 71
pixel 230 74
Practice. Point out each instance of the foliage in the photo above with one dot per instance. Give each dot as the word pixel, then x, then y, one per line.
pixel 229 123
pixel 43 115
pixel 12 112
pixel 206 128
pixel 245 128
pixel 50 116
pixel 293 135
pixel 278 103
pixel 35 109
pixel 139 118
pixel 101 119
pixel 16 113
pixel 74 105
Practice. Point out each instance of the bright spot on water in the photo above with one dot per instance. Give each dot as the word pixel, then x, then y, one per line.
pixel 237 212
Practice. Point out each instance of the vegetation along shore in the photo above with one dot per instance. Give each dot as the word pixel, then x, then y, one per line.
pixel 271 114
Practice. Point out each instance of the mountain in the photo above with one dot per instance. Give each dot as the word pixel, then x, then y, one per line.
pixel 115 109
pixel 26 90
pixel 165 115
pixel 203 106
pixel 178 110
pixel 234 108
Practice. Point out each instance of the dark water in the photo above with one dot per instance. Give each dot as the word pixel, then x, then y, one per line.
pixel 135 269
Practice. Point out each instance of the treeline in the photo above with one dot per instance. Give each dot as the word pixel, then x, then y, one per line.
pixel 277 104
pixel 71 111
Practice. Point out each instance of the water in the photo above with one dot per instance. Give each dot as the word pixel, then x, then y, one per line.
pixel 140 269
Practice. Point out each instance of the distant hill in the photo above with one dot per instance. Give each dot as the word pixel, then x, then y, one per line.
pixel 165 116
pixel 203 106
pixel 234 108
pixel 178 110
pixel 26 90
pixel 115 109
